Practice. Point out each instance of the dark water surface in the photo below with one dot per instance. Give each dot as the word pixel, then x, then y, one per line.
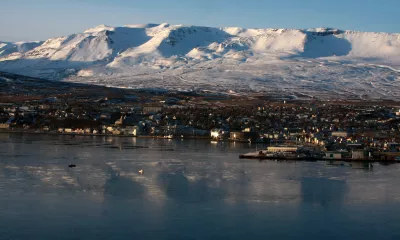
pixel 189 190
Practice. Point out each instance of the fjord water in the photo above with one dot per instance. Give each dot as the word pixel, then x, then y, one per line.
pixel 190 189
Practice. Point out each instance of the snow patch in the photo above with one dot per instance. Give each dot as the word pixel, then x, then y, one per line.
pixel 99 29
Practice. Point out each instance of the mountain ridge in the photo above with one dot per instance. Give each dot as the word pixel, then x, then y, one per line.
pixel 193 57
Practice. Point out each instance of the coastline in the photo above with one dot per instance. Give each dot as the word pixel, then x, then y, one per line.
pixel 241 156
pixel 125 136
pixel 98 135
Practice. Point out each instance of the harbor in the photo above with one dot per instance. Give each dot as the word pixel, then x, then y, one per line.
pixel 308 153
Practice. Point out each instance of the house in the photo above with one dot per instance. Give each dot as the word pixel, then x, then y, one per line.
pixel 152 109
pixel 88 131
pixel 244 136
pixel 357 154
pixel 217 133
pixel 45 107
pixel 109 129
pixel 130 130
pixel 116 132
pixel 392 147
pixel 340 134
pixel 334 155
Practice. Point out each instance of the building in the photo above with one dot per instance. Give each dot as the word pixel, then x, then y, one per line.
pixel 340 134
pixel 392 147
pixel 88 131
pixel 283 148
pixel 244 136
pixel 152 109
pixel 359 154
pixel 45 107
pixel 334 155
pixel 130 130
pixel 217 133
pixel 116 132
pixel 4 126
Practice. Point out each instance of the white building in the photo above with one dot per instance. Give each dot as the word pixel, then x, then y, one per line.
pixel 283 148
pixel 340 134
pixel 336 155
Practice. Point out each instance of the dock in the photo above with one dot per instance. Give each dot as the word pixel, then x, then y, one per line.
pixel 313 159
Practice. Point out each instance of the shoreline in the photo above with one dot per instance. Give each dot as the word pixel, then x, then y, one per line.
pixel 99 135
pixel 241 156
pixel 128 136
pixel 132 136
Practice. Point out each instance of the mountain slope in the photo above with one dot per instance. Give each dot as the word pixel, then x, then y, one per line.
pixel 7 48
pixel 319 62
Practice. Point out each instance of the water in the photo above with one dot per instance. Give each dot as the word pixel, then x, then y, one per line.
pixel 189 190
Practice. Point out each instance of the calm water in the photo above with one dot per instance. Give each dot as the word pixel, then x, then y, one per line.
pixel 189 190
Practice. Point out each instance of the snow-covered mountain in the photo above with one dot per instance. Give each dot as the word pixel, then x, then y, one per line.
pixel 7 48
pixel 320 62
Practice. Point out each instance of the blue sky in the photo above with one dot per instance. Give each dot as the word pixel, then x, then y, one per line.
pixel 42 19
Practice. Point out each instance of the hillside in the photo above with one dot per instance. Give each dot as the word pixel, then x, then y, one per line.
pixel 322 62
pixel 8 49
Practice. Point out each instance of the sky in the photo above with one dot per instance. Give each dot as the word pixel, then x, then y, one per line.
pixel 27 20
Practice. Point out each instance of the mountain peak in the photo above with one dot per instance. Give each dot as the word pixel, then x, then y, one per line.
pixel 99 28
pixel 146 25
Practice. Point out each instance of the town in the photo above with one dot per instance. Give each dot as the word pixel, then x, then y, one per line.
pixel 342 129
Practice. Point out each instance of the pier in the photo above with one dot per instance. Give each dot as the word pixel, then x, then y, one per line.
pixel 308 159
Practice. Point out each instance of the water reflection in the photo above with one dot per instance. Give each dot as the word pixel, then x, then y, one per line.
pixel 323 191
pixel 189 171
pixel 184 182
